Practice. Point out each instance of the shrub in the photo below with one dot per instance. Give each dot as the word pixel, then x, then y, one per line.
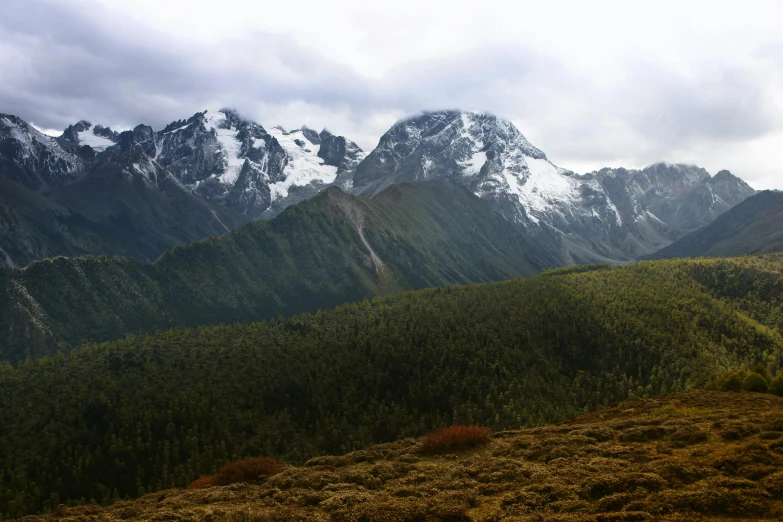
pixel 776 386
pixel 755 383
pixel 202 482
pixel 254 469
pixel 761 370
pixel 247 470
pixel 732 382
pixel 455 438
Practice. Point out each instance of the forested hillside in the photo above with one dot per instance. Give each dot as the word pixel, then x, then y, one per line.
pixel 124 418
pixel 327 251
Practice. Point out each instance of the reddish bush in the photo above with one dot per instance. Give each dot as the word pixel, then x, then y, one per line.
pixel 254 469
pixel 201 482
pixel 455 438
pixel 247 470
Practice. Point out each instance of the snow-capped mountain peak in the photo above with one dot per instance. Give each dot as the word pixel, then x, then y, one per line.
pixel 84 133
pixel 226 130
pixel 235 161
pixel 486 153
pixel 608 215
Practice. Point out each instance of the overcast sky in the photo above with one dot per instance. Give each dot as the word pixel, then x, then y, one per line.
pixel 592 84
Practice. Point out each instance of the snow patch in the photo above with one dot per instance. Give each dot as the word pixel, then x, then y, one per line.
pixel 147 171
pixel 303 167
pixel 98 143
pixel 229 144
pixel 545 188
pixel 474 164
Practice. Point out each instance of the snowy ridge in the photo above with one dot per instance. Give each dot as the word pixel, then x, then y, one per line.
pixel 229 144
pixel 34 141
pixel 304 166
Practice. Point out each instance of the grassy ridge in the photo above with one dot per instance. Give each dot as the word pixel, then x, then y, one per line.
pixel 132 416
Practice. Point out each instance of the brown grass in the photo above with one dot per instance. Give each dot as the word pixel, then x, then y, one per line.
pixel 702 456
pixel 454 438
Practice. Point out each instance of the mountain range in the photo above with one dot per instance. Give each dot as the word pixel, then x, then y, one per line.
pixel 139 192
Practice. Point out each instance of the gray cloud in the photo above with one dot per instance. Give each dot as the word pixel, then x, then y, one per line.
pixel 729 103
pixel 60 63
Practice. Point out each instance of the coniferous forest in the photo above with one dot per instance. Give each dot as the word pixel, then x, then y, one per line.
pixel 124 418
pixel 318 254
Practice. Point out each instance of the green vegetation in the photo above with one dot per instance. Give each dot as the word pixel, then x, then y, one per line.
pixel 103 214
pixel 119 419
pixel 327 251
pixel 757 381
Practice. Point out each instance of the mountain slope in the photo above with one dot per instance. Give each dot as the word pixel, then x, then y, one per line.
pixel 609 215
pixel 140 415
pixel 332 249
pixel 691 456
pixel 752 227
pixel 64 197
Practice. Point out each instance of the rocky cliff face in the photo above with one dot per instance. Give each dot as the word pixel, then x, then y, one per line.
pixel 33 159
pixel 243 166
